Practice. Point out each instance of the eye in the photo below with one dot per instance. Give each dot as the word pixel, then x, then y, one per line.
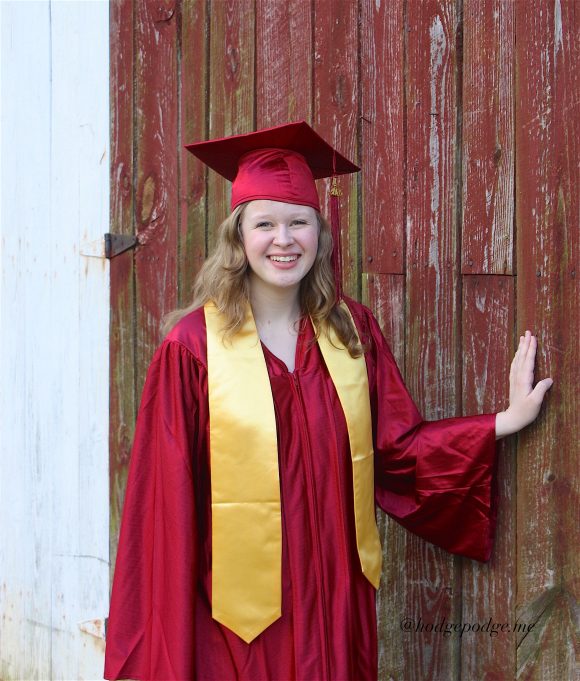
pixel 264 224
pixel 300 221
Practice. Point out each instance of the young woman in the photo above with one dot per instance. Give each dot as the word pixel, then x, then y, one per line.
pixel 272 418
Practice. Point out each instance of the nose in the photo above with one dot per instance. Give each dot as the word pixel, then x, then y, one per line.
pixel 283 235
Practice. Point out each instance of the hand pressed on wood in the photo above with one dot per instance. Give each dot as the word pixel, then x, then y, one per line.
pixel 525 400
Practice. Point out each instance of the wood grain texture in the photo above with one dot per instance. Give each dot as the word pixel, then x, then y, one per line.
pixel 385 295
pixel 193 55
pixel 156 197
pixel 488 590
pixel 122 398
pixel 436 102
pixel 382 136
pixel 284 55
pixel 433 375
pixel 76 342
pixel 548 244
pixel 336 112
pixel 231 91
pixel 431 218
pixel 488 145
pixel 26 312
pixel 54 314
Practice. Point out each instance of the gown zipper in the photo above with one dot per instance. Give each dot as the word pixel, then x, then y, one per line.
pixel 313 512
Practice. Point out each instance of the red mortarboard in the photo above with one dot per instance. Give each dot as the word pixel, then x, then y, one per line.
pixel 279 164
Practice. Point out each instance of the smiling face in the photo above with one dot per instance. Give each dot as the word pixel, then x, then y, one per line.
pixel 281 241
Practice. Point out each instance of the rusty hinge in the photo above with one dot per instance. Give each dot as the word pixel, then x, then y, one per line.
pixel 119 243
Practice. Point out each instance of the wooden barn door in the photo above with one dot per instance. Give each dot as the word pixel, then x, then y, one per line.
pixel 463 231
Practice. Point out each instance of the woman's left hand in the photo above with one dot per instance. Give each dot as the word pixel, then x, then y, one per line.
pixel 525 400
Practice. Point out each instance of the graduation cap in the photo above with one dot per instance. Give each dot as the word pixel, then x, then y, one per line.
pixel 280 164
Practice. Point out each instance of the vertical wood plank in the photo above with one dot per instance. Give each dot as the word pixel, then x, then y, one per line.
pixel 231 87
pixel 488 149
pixel 433 373
pixel 382 136
pixel 488 590
pixel 122 406
pixel 284 55
pixel 488 144
pixel 548 244
pixel 156 200
pixel 336 111
pixel 431 220
pixel 193 54
pixel 382 149
pixel 385 295
pixel 26 315
pixel 79 215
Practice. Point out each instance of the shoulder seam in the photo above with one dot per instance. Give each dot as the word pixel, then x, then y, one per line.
pixel 174 341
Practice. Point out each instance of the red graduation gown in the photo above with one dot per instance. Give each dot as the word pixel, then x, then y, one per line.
pixel 435 478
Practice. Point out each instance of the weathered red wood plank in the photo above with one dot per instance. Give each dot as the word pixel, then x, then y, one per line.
pixel 156 203
pixel 336 114
pixel 193 32
pixel 382 136
pixel 431 585
pixel 385 295
pixel 548 244
pixel 488 139
pixel 122 404
pixel 488 590
pixel 231 90
pixel 432 239
pixel 284 54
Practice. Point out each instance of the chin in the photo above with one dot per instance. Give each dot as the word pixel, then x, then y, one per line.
pixel 286 284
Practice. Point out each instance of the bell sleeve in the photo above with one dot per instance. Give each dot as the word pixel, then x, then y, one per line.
pixel 435 478
pixel 150 631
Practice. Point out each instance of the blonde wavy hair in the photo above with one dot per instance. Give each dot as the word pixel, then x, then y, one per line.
pixel 223 279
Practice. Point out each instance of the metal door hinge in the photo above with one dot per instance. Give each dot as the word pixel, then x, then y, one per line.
pixel 116 244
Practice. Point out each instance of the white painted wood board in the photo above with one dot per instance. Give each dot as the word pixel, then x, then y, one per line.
pixel 54 337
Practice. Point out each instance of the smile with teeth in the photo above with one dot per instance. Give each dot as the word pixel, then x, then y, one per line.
pixel 283 258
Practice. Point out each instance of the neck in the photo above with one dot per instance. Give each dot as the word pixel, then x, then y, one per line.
pixel 273 305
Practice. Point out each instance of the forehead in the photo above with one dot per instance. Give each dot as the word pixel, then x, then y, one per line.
pixel 265 208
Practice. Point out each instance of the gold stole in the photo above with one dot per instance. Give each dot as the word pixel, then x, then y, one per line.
pixel 245 486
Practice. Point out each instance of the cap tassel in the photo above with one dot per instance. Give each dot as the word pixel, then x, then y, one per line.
pixel 335 193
